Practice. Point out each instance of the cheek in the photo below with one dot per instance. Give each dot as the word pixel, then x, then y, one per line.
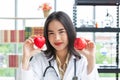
pixel 51 40
pixel 65 38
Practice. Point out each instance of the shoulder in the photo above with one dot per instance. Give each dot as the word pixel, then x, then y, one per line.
pixel 39 57
pixel 38 64
pixel 82 60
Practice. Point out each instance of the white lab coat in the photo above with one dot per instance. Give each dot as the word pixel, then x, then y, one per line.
pixel 39 63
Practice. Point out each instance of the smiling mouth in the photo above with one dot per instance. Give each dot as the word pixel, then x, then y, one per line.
pixel 58 43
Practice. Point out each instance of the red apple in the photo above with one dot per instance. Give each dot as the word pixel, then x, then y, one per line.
pixel 39 41
pixel 80 43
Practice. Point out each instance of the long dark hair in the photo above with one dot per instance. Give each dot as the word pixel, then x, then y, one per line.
pixel 65 20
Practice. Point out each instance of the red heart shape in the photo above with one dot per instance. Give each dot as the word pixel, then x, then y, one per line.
pixel 80 43
pixel 39 41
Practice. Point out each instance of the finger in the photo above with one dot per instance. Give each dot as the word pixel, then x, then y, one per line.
pixel 91 45
pixel 28 41
pixel 33 36
pixel 31 39
pixel 87 40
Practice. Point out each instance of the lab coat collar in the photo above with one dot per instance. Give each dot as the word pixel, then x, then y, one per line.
pixel 56 68
pixel 69 70
pixel 52 58
pixel 54 64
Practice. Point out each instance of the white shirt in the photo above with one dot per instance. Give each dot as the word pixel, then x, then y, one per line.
pixel 39 63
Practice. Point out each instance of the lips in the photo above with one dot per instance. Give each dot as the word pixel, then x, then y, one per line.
pixel 58 43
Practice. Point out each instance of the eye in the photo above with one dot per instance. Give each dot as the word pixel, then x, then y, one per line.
pixel 50 33
pixel 62 31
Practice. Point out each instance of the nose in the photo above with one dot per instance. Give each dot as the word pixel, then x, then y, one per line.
pixel 57 37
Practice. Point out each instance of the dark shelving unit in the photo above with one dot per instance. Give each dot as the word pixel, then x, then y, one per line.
pixel 116 3
pixel 98 29
pixel 96 2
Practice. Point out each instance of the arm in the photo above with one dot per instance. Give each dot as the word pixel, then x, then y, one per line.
pixel 89 53
pixel 28 51
pixel 34 72
pixel 28 66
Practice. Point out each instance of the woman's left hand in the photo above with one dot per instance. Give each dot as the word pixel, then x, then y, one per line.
pixel 89 50
pixel 89 53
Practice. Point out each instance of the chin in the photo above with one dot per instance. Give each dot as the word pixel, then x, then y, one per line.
pixel 59 48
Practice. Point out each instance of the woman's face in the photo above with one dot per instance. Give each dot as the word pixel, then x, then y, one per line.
pixel 57 35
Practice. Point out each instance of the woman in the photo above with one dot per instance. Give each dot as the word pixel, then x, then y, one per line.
pixel 60 61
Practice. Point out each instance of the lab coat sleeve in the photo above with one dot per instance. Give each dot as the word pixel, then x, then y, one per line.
pixel 26 74
pixel 35 70
pixel 94 74
pixel 29 74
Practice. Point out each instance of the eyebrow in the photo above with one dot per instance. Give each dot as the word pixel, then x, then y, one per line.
pixel 61 29
pixel 58 30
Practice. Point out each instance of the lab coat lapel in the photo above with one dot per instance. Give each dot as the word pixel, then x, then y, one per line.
pixel 69 73
pixel 56 68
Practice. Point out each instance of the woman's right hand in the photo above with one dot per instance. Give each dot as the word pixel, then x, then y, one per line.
pixel 28 51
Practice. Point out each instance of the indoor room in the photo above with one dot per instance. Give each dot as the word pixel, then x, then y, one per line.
pixel 93 20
